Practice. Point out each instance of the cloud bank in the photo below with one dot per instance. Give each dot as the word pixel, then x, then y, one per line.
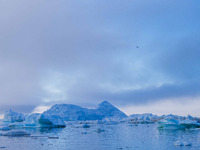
pixel 84 52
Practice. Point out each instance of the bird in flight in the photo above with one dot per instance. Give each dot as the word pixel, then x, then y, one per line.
pixel 137 46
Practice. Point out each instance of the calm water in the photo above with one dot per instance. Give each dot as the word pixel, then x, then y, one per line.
pixel 121 137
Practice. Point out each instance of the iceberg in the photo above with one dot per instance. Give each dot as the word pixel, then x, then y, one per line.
pixel 169 123
pixel 69 112
pixel 178 122
pixel 11 116
pixel 189 123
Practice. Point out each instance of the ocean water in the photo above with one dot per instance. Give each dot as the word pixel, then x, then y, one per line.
pixel 116 137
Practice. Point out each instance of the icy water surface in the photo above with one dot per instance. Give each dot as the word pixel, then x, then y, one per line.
pixel 116 137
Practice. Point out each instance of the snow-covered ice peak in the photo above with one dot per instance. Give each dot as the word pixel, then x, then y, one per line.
pixel 106 105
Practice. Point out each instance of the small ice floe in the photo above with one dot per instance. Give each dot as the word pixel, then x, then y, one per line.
pixel 187 144
pixel 86 126
pixel 100 130
pixel 179 143
pixel 5 128
pixel 2 147
pixel 16 133
pixel 51 137
pixel 83 132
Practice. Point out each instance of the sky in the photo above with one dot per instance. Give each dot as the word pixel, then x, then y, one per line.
pixel 140 55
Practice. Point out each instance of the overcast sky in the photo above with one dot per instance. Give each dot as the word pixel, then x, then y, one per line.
pixel 140 55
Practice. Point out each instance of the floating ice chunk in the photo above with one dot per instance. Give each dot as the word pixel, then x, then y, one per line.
pixel 187 144
pixel 48 120
pixel 11 116
pixel 51 137
pixel 16 133
pixel 100 130
pixel 2 147
pixel 178 143
pixel 86 126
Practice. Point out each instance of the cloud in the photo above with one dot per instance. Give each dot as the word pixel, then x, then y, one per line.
pixel 84 52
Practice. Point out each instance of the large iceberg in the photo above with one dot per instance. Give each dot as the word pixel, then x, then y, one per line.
pixel 11 116
pixel 69 112
pixel 178 122
pixel 189 122
pixel 169 123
